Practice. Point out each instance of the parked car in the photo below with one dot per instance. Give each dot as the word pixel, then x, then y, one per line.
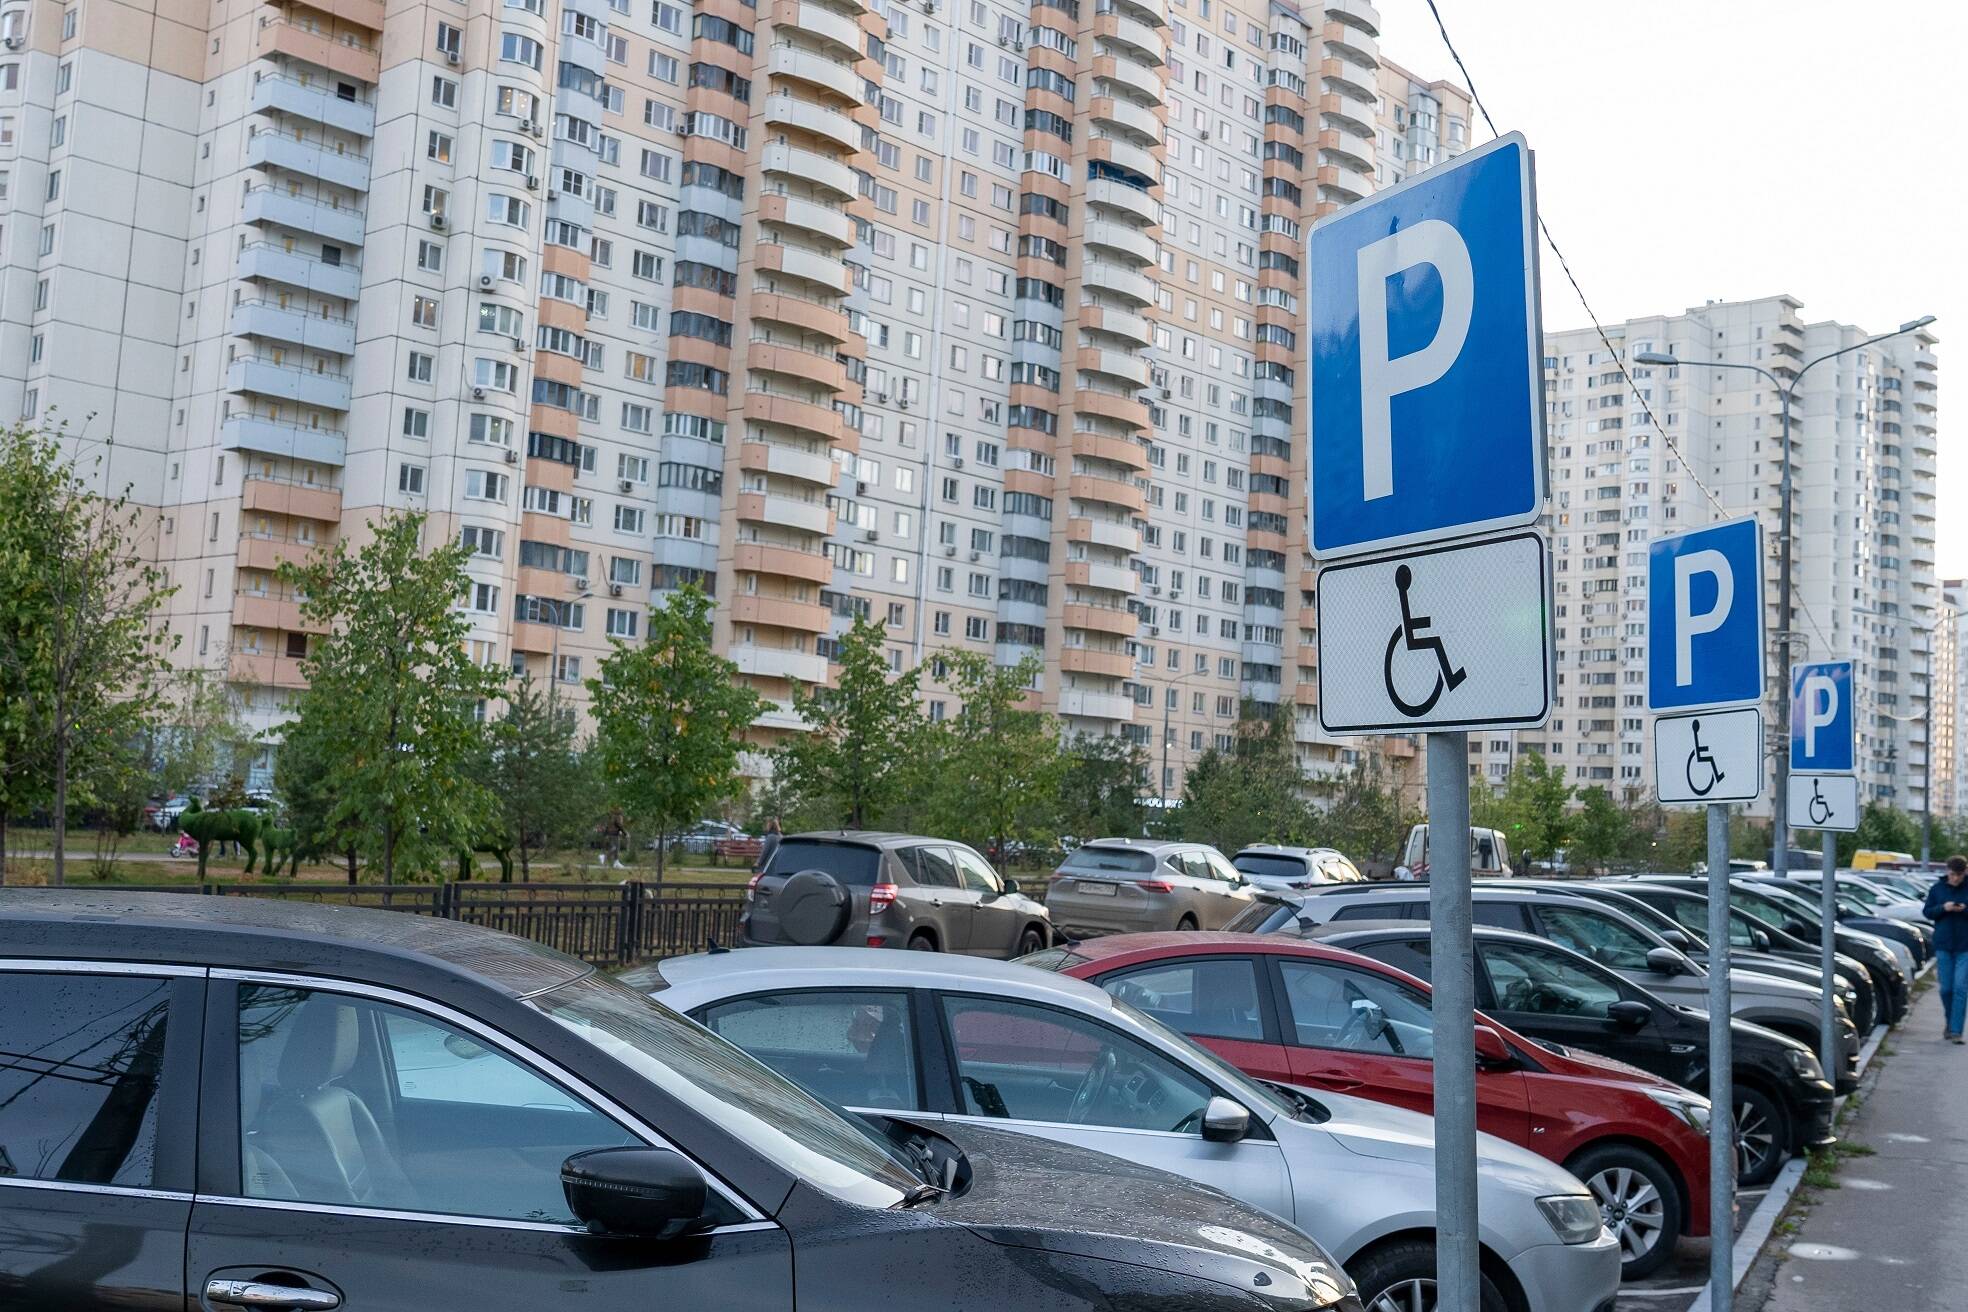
pixel 976 1043
pixel 704 836
pixel 1910 942
pixel 1783 1102
pixel 1621 944
pixel 294 1106
pixel 1271 866
pixel 1294 1012
pixel 167 812
pixel 876 890
pixel 1122 885
pixel 1891 985
pixel 1489 854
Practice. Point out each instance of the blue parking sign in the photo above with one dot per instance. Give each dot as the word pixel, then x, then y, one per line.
pixel 1705 617
pixel 1425 354
pixel 1821 718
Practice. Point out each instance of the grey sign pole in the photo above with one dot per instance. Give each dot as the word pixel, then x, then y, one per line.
pixel 1721 1078
pixel 1457 1272
pixel 1827 963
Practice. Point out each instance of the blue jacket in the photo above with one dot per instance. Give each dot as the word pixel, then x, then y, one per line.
pixel 1950 927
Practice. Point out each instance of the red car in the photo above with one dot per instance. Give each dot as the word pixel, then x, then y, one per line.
pixel 1300 1013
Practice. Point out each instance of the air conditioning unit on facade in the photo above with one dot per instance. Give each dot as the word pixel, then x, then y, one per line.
pixel 1018 47
pixel 485 280
pixel 627 484
pixel 949 551
pixel 976 556
pixel 956 462
pixel 1004 40
pixel 614 589
pixel 512 457
pixel 871 536
pixel 1154 630
pixel 903 404
pixel 580 583
pixel 451 58
pixel 437 223
pixel 478 394
pixel 532 182
pixel 860 488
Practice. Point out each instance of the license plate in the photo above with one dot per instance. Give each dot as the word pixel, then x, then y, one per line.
pixel 1097 890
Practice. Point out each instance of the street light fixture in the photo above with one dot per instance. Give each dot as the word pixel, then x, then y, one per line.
pixel 1780 855
pixel 561 606
pixel 1167 707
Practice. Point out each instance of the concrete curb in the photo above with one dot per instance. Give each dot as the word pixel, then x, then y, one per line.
pixel 1762 1222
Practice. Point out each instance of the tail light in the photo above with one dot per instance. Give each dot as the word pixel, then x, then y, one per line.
pixel 1155 885
pixel 881 897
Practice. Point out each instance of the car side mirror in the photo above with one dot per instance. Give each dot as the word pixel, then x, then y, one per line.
pixel 1011 886
pixel 1760 940
pixel 1225 1120
pixel 1373 1017
pixel 1665 961
pixel 1629 1015
pixel 1675 938
pixel 650 1193
pixel 1491 1050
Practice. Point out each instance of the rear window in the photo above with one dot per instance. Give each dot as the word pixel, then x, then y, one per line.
pixel 1263 917
pixel 1121 859
pixel 848 863
pixel 1054 959
pixel 1277 867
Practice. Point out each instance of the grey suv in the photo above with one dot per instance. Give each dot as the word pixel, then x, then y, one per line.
pixel 1133 885
pixel 847 887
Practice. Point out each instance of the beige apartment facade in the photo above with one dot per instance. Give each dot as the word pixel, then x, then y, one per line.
pixel 979 320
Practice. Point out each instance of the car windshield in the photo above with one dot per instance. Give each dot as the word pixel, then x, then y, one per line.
pixel 761 1108
pixel 1239 1085
pixel 1804 909
pixel 848 863
pixel 1265 865
pixel 1122 859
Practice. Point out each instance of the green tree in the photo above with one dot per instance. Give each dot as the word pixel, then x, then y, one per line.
pixel 1533 807
pixel 1599 832
pixel 200 742
pixel 81 642
pixel 390 713
pixel 535 770
pixel 1252 793
pixel 991 771
pixel 1685 844
pixel 1100 787
pixel 1881 829
pixel 1364 818
pixel 670 715
pixel 850 761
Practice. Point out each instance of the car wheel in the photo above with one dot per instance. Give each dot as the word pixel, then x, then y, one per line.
pixel 812 908
pixel 1762 1137
pixel 1637 1201
pixel 1401 1278
pixel 1029 942
pixel 922 943
pixel 1187 924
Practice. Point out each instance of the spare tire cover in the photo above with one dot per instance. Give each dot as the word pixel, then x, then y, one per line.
pixel 812 908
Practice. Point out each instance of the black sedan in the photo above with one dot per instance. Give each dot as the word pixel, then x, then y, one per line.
pixel 234 1103
pixel 1557 996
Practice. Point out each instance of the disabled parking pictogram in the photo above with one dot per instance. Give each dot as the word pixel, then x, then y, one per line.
pixel 1701 756
pixel 1413 634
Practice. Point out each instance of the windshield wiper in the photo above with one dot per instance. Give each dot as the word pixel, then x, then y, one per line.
pixel 922 1193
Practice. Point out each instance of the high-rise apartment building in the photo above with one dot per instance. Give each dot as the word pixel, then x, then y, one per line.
pixel 1707 445
pixel 976 319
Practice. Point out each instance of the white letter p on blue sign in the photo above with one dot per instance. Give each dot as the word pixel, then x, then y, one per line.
pixel 1687 624
pixel 1431 242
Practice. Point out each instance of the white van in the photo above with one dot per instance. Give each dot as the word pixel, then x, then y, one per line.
pixel 1489 856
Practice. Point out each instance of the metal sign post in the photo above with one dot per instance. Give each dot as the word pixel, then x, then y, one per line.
pixel 1424 355
pixel 1705 662
pixel 1823 794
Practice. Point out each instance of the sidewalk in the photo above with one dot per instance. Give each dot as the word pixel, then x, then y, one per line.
pixel 1890 1235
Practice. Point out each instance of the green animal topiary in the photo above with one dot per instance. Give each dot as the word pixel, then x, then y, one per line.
pixel 498 845
pixel 208 827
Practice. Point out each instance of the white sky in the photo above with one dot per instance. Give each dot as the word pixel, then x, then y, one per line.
pixel 1690 150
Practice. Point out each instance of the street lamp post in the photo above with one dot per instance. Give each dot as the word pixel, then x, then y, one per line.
pixel 561 606
pixel 1168 707
pixel 1780 855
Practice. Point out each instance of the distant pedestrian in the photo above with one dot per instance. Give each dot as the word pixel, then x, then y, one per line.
pixel 768 845
pixel 1947 907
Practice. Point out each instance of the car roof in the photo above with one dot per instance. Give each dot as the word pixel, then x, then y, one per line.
pixel 1138 844
pixel 1369 930
pixel 274 933
pixel 1120 947
pixel 865 838
pixel 1490 890
pixel 832 967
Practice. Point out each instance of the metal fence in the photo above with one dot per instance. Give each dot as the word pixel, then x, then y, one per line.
pixel 605 924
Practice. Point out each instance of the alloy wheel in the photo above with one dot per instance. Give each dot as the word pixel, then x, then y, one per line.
pixel 1631 1208
pixel 1756 1139
pixel 1405 1296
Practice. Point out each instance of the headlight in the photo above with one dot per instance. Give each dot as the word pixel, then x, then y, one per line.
pixel 1690 1108
pixel 1574 1216
pixel 1805 1063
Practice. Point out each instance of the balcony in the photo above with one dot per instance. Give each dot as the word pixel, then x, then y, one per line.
pixel 789 60
pixel 267 204
pixel 1132 77
pixel 1095 705
pixel 1090 660
pixel 781 207
pixel 1116 364
pixel 787 562
pixel 786 512
pixel 1355 13
pixel 778 663
pixel 1344 185
pixel 1120 196
pixel 276 93
pixel 811 116
pixel 1137 39
pixel 264 610
pixel 810 167
pixel 820 368
pixel 1109 319
pixel 277 150
pixel 815 267
pixel 1128 156
pixel 1115 279
pixel 1131 242
pixel 788 462
pixel 1349 42
pixel 1115 621
pixel 1092 574
pixel 269 552
pixel 265 670
pixel 279 323
pixel 263 377
pixel 321 446
pixel 1121 535
pixel 279 496
pixel 838 29
pixel 1126 114
pixel 349 56
pixel 1356 146
pixel 1349 80
pixel 779 613
pixel 272 263
pixel 811 313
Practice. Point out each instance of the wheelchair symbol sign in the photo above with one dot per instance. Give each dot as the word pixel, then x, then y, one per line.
pixel 1709 756
pixel 1454 636
pixel 1827 802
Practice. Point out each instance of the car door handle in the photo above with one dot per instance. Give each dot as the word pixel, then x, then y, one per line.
pixel 263 1293
pixel 1339 1083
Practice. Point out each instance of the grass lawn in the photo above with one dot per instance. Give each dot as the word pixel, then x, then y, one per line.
pixel 150 867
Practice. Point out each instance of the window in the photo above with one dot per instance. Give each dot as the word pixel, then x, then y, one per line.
pixel 622 623
pixel 485 485
pixel 423 311
pixel 80 1063
pixel 419 368
pixel 448 1096
pixel 430 257
pixel 1202 997
pixel 1602 938
pixel 410 479
pixel 438 148
pixel 1356 1010
pixel 1027 1063
pixel 852 1048
pixel 444 93
pixel 1542 982
pixel 416 422
pixel 517 49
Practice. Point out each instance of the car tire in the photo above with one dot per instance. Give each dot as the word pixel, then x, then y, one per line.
pixel 1032 940
pixel 923 943
pixel 1187 924
pixel 1401 1277
pixel 1762 1137
pixel 1637 1200
pixel 812 908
